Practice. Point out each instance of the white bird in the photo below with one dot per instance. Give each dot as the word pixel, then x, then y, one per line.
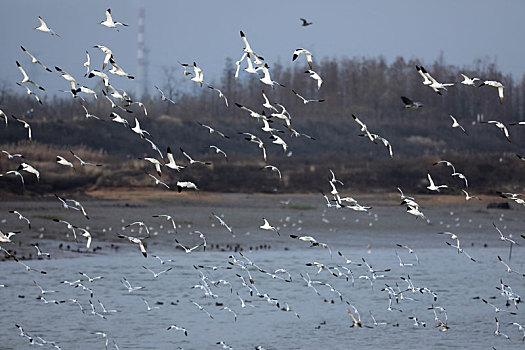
pixel 497 309
pixel 411 104
pixel 177 328
pixel 497 331
pixel 416 212
pixel 221 95
pixel 455 124
pixel 3 115
pixel 108 52
pixel 82 162
pixel 279 141
pixel 89 115
pixel 462 177
pixel 202 309
pixel 138 130
pixel 266 125
pixel 267 226
pixel 162 262
pixel 198 73
pixel 109 21
pixel 223 223
pixel 128 286
pixel 12 156
pixel 158 181
pixel 30 92
pixel 468 81
pixel 157 274
pixel 69 226
pixel 316 77
pixel 170 219
pixel 266 79
pixel 461 250
pixel 191 160
pixel 6 238
pixel 44 28
pixel 171 164
pixel 495 84
pixel 163 96
pixel 14 172
pixel 267 103
pixel 430 81
pixel 34 60
pixel 218 150
pixel 509 270
pixel 447 163
pixel 154 162
pixel 147 305
pixel 248 50
pixel 500 126
pixel 116 70
pixel 432 186
pixel 305 101
pixel 72 81
pixel 136 241
pixel 86 234
pixel 99 74
pixel 21 217
pixel 502 237
pixel 186 249
pixel 118 119
pixel 29 169
pixel 305 52
pixel 87 64
pixel 26 126
pixel 273 168
pixel 469 197
pixel 63 161
pixel 213 130
pixel 186 184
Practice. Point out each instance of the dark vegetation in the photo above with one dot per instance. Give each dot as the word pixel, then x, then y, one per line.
pixel 368 88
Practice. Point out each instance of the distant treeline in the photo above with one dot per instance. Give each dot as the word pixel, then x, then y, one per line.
pixel 368 87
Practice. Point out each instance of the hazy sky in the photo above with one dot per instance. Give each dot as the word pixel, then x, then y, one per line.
pixel 208 32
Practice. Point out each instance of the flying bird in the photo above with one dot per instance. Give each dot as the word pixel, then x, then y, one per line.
pixel 109 21
pixel 305 52
pixel 411 104
pixel 44 28
pixel 305 23
pixel 34 60
pixel 495 84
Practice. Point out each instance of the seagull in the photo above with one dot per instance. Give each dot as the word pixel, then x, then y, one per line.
pixel 82 162
pixel 430 81
pixel 171 159
pixel 63 161
pixel 455 124
pixel 411 104
pixel 267 226
pixel 248 50
pixel 21 217
pixel 30 92
pixel 128 286
pixel 69 226
pixel 273 168
pixel 72 81
pixel 34 60
pixel 6 238
pixel 158 182
pixel 155 274
pixel 177 328
pixel 192 161
pixel 509 270
pixel 305 23
pixel 100 74
pixel 223 223
pixel 154 162
pixel 469 197
pixel 186 249
pixel 447 163
pixel 495 84
pixel 116 70
pixel 267 103
pixel 316 77
pixel 186 184
pixel 218 150
pixel 14 172
pixel 169 218
pixel 266 79
pixel 26 126
pixel 44 28
pixel 502 237
pixel 29 169
pixel 221 95
pixel 305 52
pixel 91 280
pixel 305 101
pixel 163 97
pixel 500 126
pixel 138 130
pixel 212 130
pixel 467 80
pixel 137 241
pixel 497 309
pixel 432 186
pixel 279 141
pixel 109 21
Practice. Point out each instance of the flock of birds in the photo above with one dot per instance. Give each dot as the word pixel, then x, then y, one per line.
pixel 246 270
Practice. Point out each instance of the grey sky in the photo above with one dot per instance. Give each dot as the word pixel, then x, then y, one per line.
pixel 208 31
